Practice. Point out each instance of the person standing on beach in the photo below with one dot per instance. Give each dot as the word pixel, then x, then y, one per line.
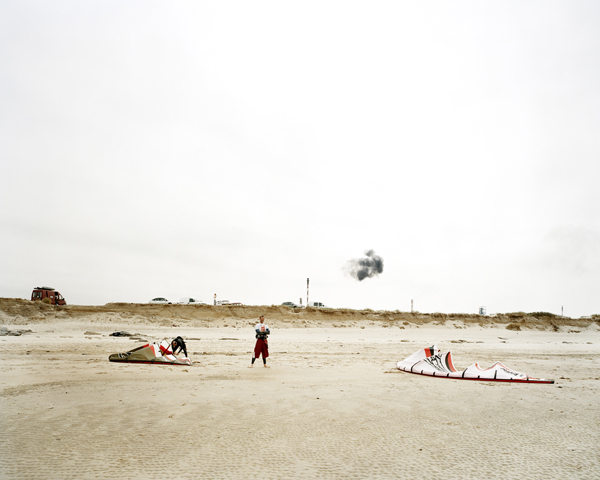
pixel 262 342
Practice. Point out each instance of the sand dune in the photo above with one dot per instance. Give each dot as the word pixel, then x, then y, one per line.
pixel 15 310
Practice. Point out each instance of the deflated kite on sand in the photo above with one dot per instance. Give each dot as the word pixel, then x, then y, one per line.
pixel 154 354
pixel 431 361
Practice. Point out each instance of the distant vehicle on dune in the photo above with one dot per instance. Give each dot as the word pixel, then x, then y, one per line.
pixel 227 302
pixel 160 300
pixel 191 301
pixel 291 305
pixel 43 293
pixel 318 305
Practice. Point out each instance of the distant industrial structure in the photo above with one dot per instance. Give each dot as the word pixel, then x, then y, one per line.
pixel 307 280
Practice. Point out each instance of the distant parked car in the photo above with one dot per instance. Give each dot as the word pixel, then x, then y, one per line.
pixel 49 295
pixel 317 305
pixel 191 301
pixel 290 304
pixel 160 300
pixel 236 303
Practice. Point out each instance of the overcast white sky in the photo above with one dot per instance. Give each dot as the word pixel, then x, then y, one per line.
pixel 191 148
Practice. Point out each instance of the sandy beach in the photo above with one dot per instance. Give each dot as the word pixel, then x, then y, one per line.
pixel 332 405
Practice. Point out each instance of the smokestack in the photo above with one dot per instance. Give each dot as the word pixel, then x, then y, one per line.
pixel 307 291
pixel 367 267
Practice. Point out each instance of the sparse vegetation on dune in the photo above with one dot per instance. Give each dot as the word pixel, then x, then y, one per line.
pixel 14 310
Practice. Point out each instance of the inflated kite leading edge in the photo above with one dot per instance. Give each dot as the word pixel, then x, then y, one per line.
pixel 151 353
pixel 430 361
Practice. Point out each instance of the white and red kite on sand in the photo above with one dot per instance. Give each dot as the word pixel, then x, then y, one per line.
pixel 431 361
pixel 151 353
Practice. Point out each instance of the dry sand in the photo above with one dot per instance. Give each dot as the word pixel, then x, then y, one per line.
pixel 332 405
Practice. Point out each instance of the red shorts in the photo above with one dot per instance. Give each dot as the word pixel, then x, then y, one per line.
pixel 261 347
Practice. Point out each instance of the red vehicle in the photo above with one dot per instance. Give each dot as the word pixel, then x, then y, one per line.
pixel 40 293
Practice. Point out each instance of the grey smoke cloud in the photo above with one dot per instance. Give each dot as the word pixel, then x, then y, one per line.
pixel 367 267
